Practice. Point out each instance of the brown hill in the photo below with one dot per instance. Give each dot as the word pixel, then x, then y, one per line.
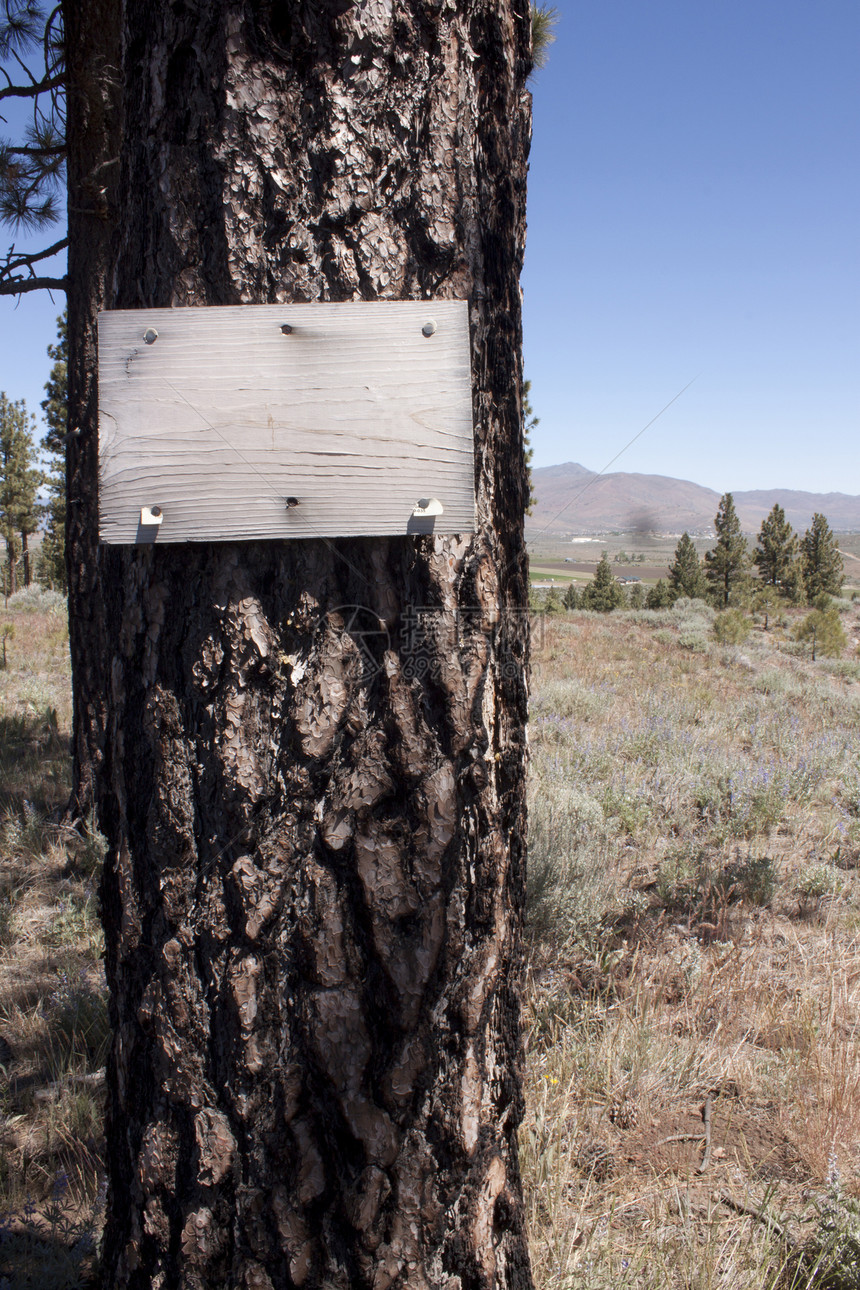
pixel 572 499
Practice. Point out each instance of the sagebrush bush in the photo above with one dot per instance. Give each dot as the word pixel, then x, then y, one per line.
pixel 37 599
pixel 732 627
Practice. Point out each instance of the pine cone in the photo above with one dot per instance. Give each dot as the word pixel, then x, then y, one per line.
pixel 623 1112
pixel 596 1160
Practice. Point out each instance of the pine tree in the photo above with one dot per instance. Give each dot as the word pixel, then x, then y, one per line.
pixel 727 563
pixel 823 630
pixel 570 598
pixel 52 567
pixel 32 165
pixel 686 575
pixel 19 484
pixel 776 556
pixel 767 601
pixel 312 922
pixel 604 593
pixel 659 596
pixel 794 583
pixel 823 570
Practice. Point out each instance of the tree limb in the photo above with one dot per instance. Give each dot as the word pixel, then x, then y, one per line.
pixel 17 286
pixel 32 91
pixel 30 257
pixel 59 151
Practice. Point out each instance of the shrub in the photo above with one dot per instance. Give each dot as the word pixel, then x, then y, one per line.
pixel 36 599
pixel 79 1022
pixel 54 1250
pixel 823 631
pixel 817 879
pixel 87 848
pixel 752 880
pixel 830 1258
pixel 731 627
pixel 693 641
pixel 569 878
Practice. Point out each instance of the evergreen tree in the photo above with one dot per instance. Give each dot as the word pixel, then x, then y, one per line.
pixel 823 571
pixel 31 165
pixel 767 601
pixel 776 556
pixel 369 1042
pixel 19 484
pixel 823 631
pixel 686 575
pixel 635 596
pixel 659 596
pixel 604 593
pixel 571 599
pixel 52 567
pixel 727 564
pixel 793 583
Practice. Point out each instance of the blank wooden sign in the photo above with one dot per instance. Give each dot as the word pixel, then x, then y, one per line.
pixel 285 421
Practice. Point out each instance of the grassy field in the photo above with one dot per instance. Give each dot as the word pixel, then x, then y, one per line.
pixel 693 982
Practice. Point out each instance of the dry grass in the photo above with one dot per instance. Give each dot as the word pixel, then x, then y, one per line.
pixel 53 1021
pixel 694 941
pixel 694 932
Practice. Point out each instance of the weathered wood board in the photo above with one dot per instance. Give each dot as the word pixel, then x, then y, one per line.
pixel 285 421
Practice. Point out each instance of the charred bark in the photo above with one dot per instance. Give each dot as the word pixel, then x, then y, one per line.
pixel 315 815
pixel 94 123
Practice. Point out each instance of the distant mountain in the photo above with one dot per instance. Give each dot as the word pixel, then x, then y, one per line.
pixel 572 499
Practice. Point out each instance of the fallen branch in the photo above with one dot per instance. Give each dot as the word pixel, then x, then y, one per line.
pixel 761 1214
pixel 706 1116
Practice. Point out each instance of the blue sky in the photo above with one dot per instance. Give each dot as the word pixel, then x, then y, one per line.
pixel 693 212
pixel 694 206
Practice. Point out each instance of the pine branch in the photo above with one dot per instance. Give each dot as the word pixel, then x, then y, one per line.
pixel 544 20
pixel 19 286
pixel 21 25
pixel 14 282
pixel 31 167
pixel 58 151
pixel 30 257
pixel 32 91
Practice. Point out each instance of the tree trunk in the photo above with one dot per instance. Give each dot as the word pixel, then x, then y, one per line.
pixel 315 816
pixel 25 558
pixel 94 121
pixel 11 563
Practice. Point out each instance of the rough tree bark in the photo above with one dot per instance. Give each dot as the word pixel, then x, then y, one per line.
pixel 94 121
pixel 314 884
